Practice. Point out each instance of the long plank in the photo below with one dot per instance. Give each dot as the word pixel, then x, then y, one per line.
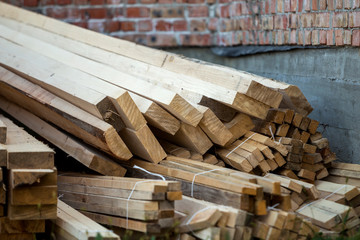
pixel 32 212
pixel 65 115
pixel 83 153
pixel 176 173
pixel 187 87
pixel 155 115
pixel 80 226
pixel 21 226
pixel 3 131
pixel 167 99
pixel 24 151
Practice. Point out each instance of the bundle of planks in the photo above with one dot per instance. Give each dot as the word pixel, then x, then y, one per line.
pixel 216 134
pixel 135 204
pixel 28 194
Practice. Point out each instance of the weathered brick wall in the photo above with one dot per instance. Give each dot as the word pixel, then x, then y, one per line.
pixel 212 22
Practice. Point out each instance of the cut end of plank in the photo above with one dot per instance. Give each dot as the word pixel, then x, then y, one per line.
pixel 117 145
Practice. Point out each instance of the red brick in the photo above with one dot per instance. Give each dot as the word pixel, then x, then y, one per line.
pixel 314 5
pixel 56 12
pixel 339 37
pixel 168 12
pixel 267 23
pixel 356 4
pixel 97 25
pixel 180 25
pixel 322 4
pixel 307 5
pixel 195 1
pixel 164 40
pixel 79 2
pixel 347 4
pixel 307 35
pixel 44 2
pixel 261 36
pixel 224 11
pixel 322 20
pixel 279 38
pixel 354 19
pixel 273 6
pixel 163 26
pixel 196 40
pixel 145 26
pixel 213 24
pixel 245 10
pixel 273 37
pixel 315 37
pixel 330 5
pixel 63 2
pixel 286 37
pixel 198 25
pixel 82 24
pixel 165 1
pixel 226 25
pixel 112 26
pixel 293 5
pixel 300 37
pixel 96 2
pixel 322 37
pixel 300 5
pixel 137 38
pixel 236 9
pixel 287 7
pixel 307 20
pixel 280 6
pixel 293 20
pixel 211 1
pixel 74 13
pixel 198 11
pixel 267 8
pixel 127 26
pixel 281 22
pixel 115 12
pixel 137 12
pixel 95 13
pixel 330 37
pixel 293 37
pixel 30 3
pixel 224 39
pixel 340 19
pixel 339 4
pixel 252 38
pixel 147 1
pixel 347 37
pixel 355 41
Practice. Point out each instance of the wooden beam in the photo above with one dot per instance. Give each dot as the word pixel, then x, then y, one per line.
pixel 83 153
pixel 24 151
pixel 3 131
pixel 79 226
pixel 63 114
pixel 32 212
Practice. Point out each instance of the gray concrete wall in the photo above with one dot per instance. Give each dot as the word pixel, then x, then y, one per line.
pixel 329 78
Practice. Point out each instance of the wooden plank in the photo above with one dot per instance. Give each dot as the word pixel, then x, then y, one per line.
pixel 250 148
pixel 252 159
pixel 304 136
pixel 267 141
pixel 88 156
pixel 304 123
pixel 51 108
pixel 312 158
pixel 21 226
pixel 308 148
pixel 155 115
pixel 307 174
pixel 174 150
pixel 234 160
pixel 17 236
pixel 348 191
pixel 289 115
pixel 79 226
pixel 345 166
pixel 189 137
pixel 24 151
pixel 3 155
pixel 276 116
pixel 313 126
pixel 282 130
pixel 280 161
pixel 297 120
pixel 32 212
pixel 210 159
pixel 290 184
pixel 263 148
pixel 208 233
pixel 167 99
pixel 239 126
pixel 29 176
pixel 223 112
pixel 143 144
pixel 322 173
pixel 131 224
pixel 213 127
pixel 246 189
pixel 3 130
pixel 33 195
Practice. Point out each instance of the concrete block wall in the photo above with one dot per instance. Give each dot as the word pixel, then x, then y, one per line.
pixel 172 23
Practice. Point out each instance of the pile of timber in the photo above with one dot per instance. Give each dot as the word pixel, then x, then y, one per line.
pixel 215 134
pixel 28 192
pixel 146 206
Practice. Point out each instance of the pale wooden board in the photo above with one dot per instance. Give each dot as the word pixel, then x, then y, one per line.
pixel 56 110
pixel 83 153
pixel 79 226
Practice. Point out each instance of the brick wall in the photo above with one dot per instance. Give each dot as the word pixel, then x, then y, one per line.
pixel 212 22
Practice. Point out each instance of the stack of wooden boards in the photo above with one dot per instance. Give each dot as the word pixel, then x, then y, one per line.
pixel 28 193
pixel 215 134
pixel 146 206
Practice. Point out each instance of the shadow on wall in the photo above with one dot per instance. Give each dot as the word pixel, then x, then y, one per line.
pixel 329 78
